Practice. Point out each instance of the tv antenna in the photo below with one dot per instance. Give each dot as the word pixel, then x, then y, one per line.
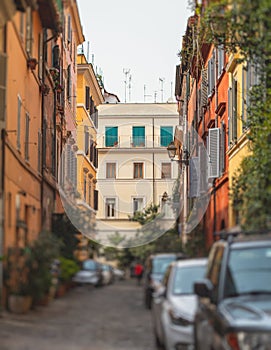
pixel 162 80
pixel 126 72
pixel 145 95
pixel 130 87
pixel 155 96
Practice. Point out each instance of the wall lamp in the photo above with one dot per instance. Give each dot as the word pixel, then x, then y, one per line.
pixel 172 151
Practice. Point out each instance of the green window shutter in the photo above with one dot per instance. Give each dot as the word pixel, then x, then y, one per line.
pixel 111 136
pixel 138 136
pixel 166 135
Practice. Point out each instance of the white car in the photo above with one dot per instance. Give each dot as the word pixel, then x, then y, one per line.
pixel 174 304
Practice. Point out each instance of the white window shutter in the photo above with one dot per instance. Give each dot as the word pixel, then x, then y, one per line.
pixel 194 177
pixel 203 169
pixel 204 89
pixel 213 152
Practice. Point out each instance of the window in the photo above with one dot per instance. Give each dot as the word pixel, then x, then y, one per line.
pixel 111 136
pixel 220 59
pixel 232 111
pixel 110 170
pixel 87 144
pixel 138 136
pixel 137 204
pixel 87 100
pixel 166 171
pixel 19 107
pixel 26 144
pixel 69 85
pixel 110 207
pixel 138 170
pixel 166 135
pixel 29 31
pixel 211 75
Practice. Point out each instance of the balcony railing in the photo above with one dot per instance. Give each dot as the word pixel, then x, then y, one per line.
pixel 127 141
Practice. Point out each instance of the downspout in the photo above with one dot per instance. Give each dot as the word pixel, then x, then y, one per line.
pixel 216 125
pixel 2 211
pixel 153 181
pixel 43 159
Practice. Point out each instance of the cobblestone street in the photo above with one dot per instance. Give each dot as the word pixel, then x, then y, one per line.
pixel 86 318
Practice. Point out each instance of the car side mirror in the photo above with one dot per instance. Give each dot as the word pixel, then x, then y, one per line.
pixel 160 293
pixel 203 288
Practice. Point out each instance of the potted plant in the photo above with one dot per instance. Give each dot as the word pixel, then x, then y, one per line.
pixel 17 279
pixel 68 269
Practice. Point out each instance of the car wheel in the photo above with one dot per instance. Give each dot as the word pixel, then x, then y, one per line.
pixel 158 344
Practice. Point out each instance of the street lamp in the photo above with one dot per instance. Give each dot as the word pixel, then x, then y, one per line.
pixel 172 150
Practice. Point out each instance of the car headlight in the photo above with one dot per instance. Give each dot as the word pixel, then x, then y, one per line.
pixel 249 341
pixel 179 320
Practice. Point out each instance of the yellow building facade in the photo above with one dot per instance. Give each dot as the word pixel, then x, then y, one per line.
pixel 89 96
pixel 240 80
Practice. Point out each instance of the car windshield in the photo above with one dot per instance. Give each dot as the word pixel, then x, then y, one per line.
pixel 248 271
pixel 89 265
pixel 161 264
pixel 185 277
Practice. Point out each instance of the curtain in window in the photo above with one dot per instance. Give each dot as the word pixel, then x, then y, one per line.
pixel 111 136
pixel 138 136
pixel 166 135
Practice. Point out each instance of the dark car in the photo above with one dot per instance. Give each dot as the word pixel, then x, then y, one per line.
pixel 234 307
pixel 155 268
pixel 91 273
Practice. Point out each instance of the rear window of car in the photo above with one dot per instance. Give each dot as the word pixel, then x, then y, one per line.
pixel 248 271
pixel 159 265
pixel 89 265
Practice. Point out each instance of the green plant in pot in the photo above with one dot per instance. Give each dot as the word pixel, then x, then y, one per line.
pixel 17 279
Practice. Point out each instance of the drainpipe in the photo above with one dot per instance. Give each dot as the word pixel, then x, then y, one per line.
pixel 43 158
pixel 216 125
pixel 2 209
pixel 153 181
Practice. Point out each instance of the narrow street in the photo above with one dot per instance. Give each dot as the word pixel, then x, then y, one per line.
pixel 86 318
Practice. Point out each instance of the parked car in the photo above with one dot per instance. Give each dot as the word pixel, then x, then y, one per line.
pixel 235 296
pixel 91 273
pixel 155 268
pixel 118 274
pixel 174 304
pixel 108 274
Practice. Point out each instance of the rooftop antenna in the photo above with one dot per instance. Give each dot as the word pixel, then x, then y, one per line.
pixel 130 87
pixel 162 80
pixel 88 52
pixel 126 71
pixel 92 59
pixel 145 95
pixel 171 89
pixel 155 96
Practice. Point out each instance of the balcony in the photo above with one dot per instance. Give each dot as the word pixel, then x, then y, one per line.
pixel 127 141
pixel 50 12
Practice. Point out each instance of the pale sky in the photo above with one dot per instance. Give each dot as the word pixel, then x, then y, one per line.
pixel 143 36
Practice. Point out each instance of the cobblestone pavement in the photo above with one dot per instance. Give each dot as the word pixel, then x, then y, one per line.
pixel 86 318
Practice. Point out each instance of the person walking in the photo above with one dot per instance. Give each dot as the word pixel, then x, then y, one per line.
pixel 139 269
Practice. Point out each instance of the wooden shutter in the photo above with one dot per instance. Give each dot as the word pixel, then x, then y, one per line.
pixel 213 152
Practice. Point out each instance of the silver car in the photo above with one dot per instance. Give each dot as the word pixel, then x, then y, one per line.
pixel 91 273
pixel 174 304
